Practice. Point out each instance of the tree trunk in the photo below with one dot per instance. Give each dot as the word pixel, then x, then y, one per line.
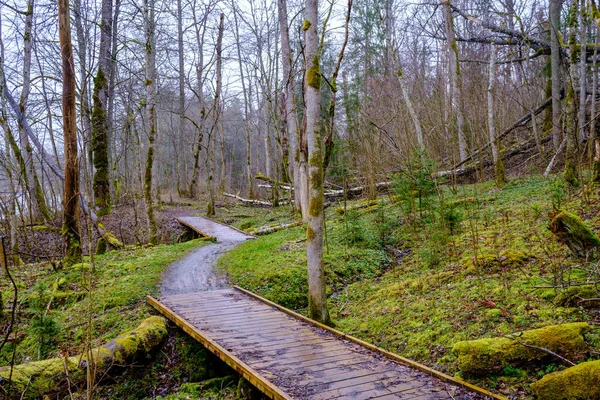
pixel 210 208
pixel 101 184
pixel 582 72
pixel 554 12
pixel 317 302
pixel 499 166
pixel 151 115
pixel 39 210
pixel 200 31
pixel 181 110
pixel 570 172
pixel 455 80
pixel 70 229
pixel 291 120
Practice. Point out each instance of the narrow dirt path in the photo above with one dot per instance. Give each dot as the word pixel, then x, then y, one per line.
pixel 195 272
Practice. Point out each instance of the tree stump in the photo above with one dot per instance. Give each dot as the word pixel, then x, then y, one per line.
pixel 572 231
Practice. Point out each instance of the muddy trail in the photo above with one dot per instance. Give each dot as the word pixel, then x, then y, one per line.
pixel 196 271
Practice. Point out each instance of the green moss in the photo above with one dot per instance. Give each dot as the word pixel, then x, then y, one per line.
pixel 313 74
pixel 576 383
pixel 574 294
pixel 487 356
pixel 493 262
pixel 101 246
pixel 306 25
pixel 310 234
pixel 315 207
pixel 112 240
pixel 101 183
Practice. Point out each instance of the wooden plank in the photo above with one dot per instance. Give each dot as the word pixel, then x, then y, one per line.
pixel 247 372
pixel 379 350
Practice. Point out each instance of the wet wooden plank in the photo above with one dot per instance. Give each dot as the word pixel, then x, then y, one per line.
pixel 207 227
pixel 287 356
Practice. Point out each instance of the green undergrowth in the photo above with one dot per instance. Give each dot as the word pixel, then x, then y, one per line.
pixel 428 268
pixel 64 309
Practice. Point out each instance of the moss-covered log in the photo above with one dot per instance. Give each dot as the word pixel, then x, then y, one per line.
pixel 585 296
pixel 578 382
pixel 572 231
pixel 50 376
pixel 486 356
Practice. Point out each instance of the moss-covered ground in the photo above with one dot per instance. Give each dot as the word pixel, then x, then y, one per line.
pixel 430 266
pixel 61 311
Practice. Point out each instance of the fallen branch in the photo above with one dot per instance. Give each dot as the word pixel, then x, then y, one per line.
pixel 520 122
pixel 553 160
pixel 55 375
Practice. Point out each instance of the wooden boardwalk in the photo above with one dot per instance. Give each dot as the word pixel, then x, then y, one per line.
pixel 287 356
pixel 207 227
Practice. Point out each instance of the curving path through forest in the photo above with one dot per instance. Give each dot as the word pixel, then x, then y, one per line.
pixel 195 272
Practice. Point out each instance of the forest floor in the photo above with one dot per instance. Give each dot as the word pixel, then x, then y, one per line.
pixel 412 274
pixel 416 275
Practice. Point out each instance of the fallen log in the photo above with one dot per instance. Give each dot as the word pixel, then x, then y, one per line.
pixel 578 382
pixel 56 375
pixel 248 202
pixel 488 356
pixel 283 185
pixel 353 192
pixel 271 229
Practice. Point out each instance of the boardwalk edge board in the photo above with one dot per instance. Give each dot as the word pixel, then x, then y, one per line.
pixel 387 354
pixel 238 365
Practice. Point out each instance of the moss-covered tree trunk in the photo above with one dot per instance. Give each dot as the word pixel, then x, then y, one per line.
pixel 70 229
pixel 570 172
pixel 317 307
pixel 150 56
pixel 101 184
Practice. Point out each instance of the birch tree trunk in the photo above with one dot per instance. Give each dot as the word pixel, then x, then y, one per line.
pixel 249 176
pixel 554 12
pixel 70 229
pixel 455 79
pixel 101 184
pixel 150 58
pixel 317 306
